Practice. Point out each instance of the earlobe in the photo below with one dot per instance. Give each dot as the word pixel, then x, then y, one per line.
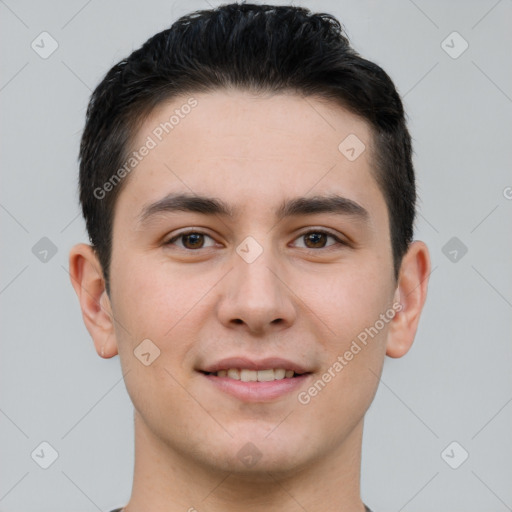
pixel 412 293
pixel 87 280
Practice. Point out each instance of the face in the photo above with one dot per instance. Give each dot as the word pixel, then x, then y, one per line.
pixel 273 285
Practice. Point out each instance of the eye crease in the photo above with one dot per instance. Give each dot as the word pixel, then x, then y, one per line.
pixel 312 236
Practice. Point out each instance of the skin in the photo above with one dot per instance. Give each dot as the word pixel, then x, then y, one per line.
pixel 301 300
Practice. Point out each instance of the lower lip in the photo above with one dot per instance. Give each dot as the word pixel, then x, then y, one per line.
pixel 257 391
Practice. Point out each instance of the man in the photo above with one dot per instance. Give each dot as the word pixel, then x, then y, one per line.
pixel 247 185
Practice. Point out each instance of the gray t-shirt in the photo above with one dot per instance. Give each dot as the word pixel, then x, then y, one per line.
pixel 121 509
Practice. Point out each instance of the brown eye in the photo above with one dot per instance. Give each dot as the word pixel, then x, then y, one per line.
pixel 190 240
pixel 318 239
pixel 315 240
pixel 193 240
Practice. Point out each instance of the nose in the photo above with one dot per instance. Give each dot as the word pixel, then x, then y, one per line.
pixel 256 297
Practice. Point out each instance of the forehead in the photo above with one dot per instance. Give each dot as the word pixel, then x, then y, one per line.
pixel 253 125
pixel 251 148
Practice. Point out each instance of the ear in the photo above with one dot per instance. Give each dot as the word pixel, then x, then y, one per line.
pixel 411 293
pixel 89 284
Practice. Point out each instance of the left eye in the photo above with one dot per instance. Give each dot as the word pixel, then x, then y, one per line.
pixel 318 239
pixel 195 239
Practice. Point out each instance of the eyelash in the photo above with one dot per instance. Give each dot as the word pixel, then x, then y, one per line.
pixel 316 231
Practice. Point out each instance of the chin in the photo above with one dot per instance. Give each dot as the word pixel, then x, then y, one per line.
pixel 259 468
pixel 258 451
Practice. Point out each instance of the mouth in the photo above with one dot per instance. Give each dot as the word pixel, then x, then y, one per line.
pixel 247 375
pixel 251 381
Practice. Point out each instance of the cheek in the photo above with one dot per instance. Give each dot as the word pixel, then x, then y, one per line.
pixel 156 302
pixel 152 298
pixel 348 380
pixel 348 302
pixel 350 305
pixel 154 306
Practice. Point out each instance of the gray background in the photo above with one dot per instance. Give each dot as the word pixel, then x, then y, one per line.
pixel 455 383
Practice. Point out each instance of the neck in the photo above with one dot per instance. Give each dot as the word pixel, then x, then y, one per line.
pixel 167 481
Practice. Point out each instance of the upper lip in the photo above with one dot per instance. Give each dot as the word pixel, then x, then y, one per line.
pixel 254 364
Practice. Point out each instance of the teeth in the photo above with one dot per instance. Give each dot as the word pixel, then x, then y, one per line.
pixel 233 373
pixel 279 373
pixel 265 375
pixel 246 375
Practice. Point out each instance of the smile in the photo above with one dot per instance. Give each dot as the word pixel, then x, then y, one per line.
pixel 246 375
pixel 257 386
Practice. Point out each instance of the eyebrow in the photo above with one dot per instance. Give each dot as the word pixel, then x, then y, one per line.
pixel 185 202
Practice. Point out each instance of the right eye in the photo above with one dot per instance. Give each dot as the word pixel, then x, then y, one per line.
pixel 192 240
